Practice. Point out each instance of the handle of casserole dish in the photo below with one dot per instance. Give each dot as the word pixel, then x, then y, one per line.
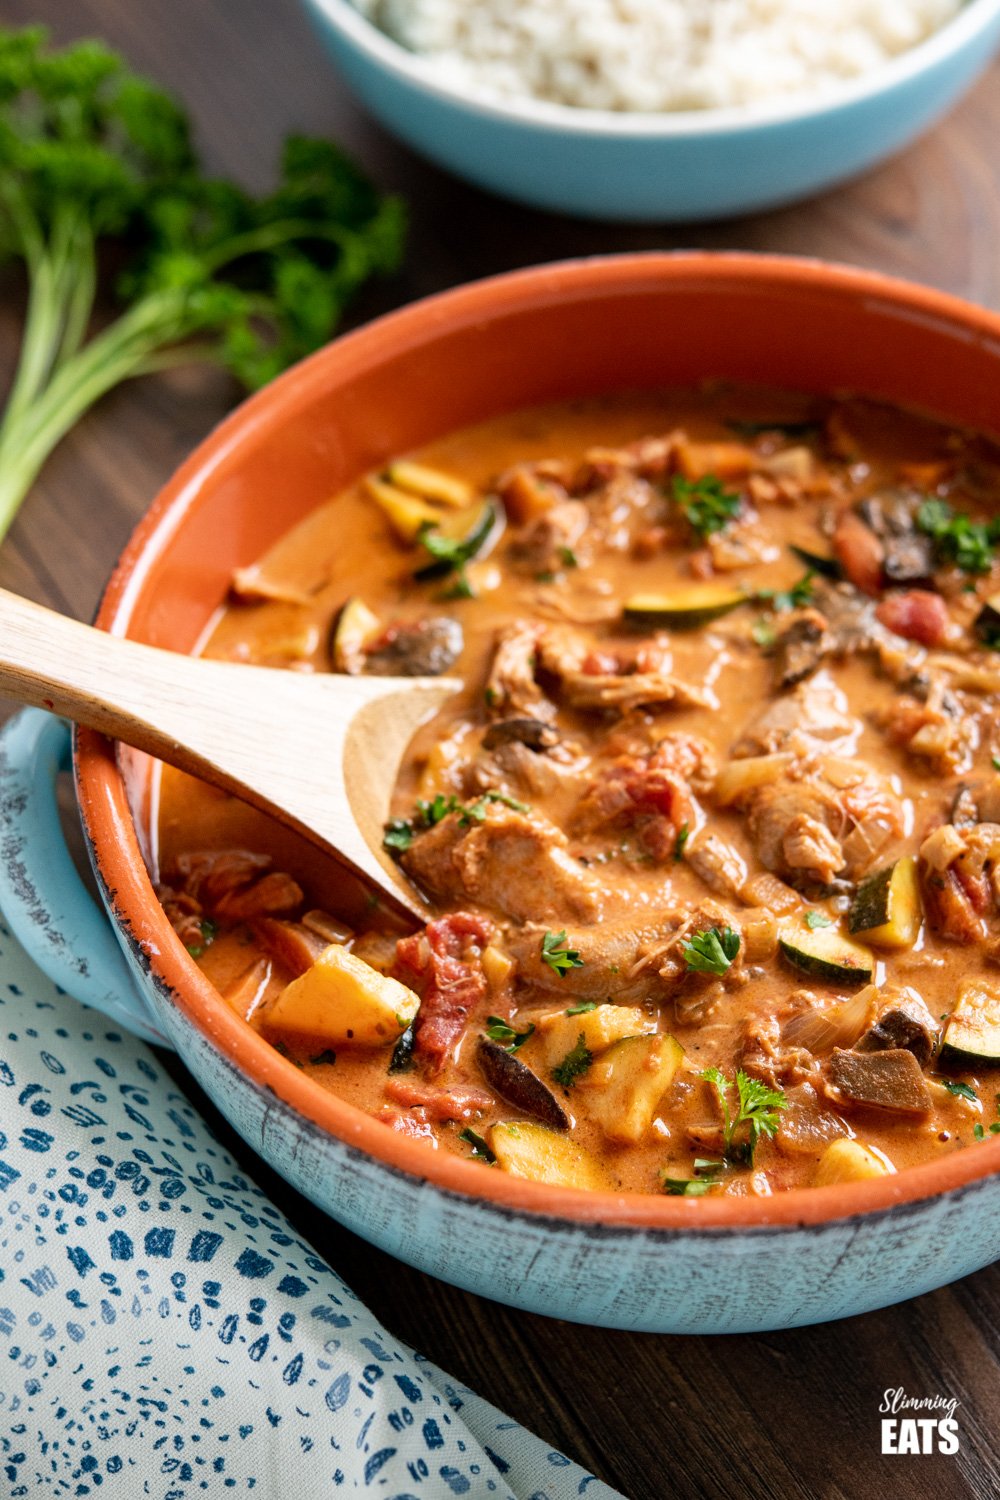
pixel 46 904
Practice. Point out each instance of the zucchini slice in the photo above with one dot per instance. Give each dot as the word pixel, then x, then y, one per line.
pixel 973 1029
pixel 468 534
pixel 826 954
pixel 525 1149
pixel 886 909
pixel 683 607
pixel 849 1161
pixel 820 562
pixel 353 627
pixel 430 484
pixel 622 1089
pixel 987 623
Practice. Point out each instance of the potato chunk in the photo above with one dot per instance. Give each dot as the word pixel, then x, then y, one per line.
pixel 849 1161
pixel 525 1149
pixel 600 1028
pixel 622 1089
pixel 342 1000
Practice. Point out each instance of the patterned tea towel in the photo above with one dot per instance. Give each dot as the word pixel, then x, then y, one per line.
pixel 165 1334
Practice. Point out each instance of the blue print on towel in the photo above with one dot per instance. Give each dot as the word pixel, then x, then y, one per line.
pixel 163 1332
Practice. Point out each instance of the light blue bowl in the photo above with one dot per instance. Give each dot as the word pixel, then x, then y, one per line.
pixel 656 167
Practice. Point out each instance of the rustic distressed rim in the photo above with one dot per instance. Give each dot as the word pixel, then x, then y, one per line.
pixel 115 848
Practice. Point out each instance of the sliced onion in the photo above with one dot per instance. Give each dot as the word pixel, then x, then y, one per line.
pixel 837 1026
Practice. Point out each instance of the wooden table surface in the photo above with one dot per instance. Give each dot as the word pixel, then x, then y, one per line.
pixel 790 1414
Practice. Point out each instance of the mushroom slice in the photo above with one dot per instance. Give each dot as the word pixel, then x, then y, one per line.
pixel 519 1085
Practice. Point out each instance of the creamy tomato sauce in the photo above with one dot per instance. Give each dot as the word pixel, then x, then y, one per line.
pixel 719 796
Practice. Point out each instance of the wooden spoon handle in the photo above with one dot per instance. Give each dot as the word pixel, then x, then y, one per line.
pixel 122 688
pixel 320 752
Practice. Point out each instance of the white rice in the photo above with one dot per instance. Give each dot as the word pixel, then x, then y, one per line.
pixel 655 54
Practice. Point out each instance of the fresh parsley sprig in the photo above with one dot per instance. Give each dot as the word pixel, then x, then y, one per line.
pixel 475 812
pixel 797 597
pixel 758 1113
pixel 501 1031
pixel 574 1064
pixel 814 919
pixel 481 1149
pixel 707 505
pixel 704 1181
pixel 92 154
pixel 958 539
pixel 209 932
pixel 399 833
pixel 712 950
pixel 559 956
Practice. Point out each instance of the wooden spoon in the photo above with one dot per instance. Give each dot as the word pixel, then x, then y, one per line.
pixel 318 752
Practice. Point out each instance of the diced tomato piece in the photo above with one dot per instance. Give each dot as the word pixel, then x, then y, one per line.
pixel 859 552
pixel 458 1103
pixel 599 664
pixel 442 964
pixel 916 614
pixel 948 908
pixel 414 1123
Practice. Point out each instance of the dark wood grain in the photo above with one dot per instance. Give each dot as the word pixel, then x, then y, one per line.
pixel 792 1414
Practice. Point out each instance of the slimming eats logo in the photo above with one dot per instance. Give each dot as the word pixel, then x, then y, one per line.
pixel 935 1430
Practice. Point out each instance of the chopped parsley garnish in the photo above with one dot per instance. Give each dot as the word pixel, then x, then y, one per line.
pixel 446 549
pixel 327 1056
pixel 568 557
pixel 475 812
pixel 688 1187
pixel 816 919
pixel 402 1054
pixel 703 1181
pixel 962 1091
pixel 706 503
pixel 979 1131
pixel 431 813
pixel 208 934
pixel 399 833
pixel 499 1030
pixel 957 539
pixel 712 950
pixel 763 633
pixel 782 600
pixel 584 1007
pixel 559 956
pixel 574 1064
pixel 683 834
pixel 759 1108
pixel 480 1148
pixel 461 588
pixel 995 760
